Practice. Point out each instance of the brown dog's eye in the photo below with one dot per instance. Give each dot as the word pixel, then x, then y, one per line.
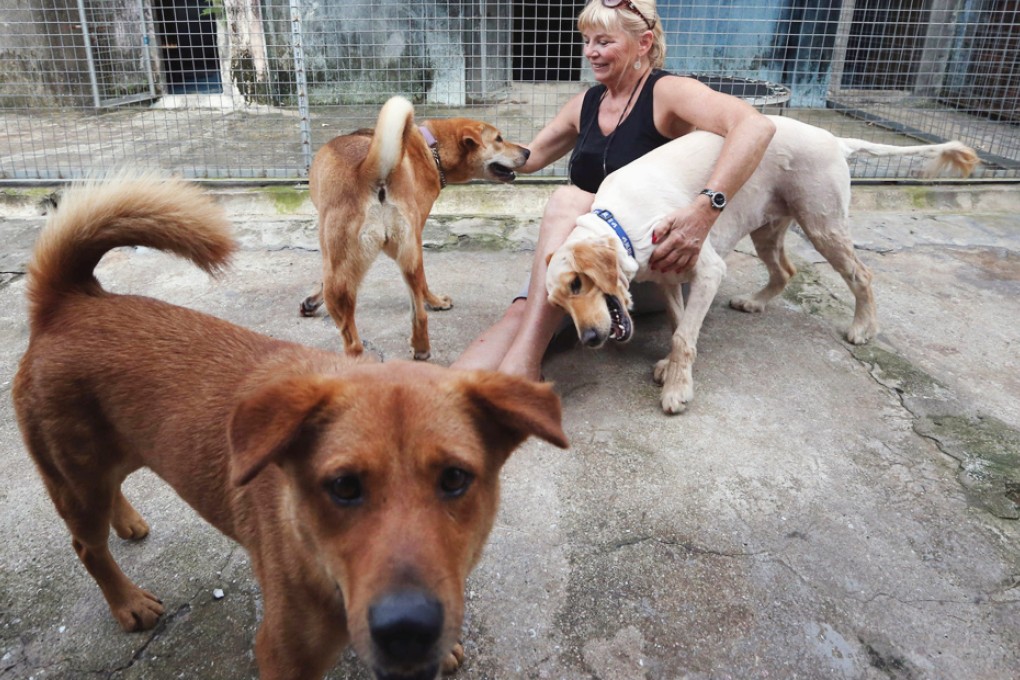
pixel 346 490
pixel 575 285
pixel 499 138
pixel 454 482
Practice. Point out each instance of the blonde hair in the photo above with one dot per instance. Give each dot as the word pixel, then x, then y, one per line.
pixel 596 16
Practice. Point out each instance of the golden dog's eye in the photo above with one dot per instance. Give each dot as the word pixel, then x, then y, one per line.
pixel 346 490
pixel 575 285
pixel 499 138
pixel 454 482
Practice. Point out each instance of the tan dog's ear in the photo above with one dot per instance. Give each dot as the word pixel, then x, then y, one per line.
pixel 471 139
pixel 514 409
pixel 548 258
pixel 267 424
pixel 597 260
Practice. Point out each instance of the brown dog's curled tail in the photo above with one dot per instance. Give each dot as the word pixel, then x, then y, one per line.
pixel 392 131
pixel 124 209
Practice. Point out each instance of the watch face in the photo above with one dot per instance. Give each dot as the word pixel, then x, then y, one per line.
pixel 718 200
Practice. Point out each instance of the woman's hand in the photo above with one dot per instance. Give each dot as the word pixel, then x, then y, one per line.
pixel 679 237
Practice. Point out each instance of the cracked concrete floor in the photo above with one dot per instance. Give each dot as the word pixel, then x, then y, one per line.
pixel 821 510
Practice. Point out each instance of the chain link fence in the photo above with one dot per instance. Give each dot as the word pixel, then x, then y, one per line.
pixel 249 89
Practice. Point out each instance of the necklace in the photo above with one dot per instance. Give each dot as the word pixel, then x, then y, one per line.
pixel 609 139
pixel 594 121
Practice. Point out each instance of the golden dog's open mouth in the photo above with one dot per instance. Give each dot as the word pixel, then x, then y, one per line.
pixel 621 328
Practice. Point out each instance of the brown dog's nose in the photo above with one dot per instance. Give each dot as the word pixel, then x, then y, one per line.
pixel 406 625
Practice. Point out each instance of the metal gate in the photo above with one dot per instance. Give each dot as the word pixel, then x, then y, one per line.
pixel 249 89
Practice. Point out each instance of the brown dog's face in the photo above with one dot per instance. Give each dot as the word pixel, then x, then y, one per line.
pixel 483 153
pixel 393 475
pixel 583 278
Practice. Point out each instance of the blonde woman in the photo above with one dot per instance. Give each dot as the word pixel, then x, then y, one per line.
pixel 635 107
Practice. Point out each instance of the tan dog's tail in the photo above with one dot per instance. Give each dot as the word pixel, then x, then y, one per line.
pixel 125 209
pixel 392 133
pixel 960 157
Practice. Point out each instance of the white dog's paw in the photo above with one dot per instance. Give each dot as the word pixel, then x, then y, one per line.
pixel 675 400
pixel 747 303
pixel 659 371
pixel 859 334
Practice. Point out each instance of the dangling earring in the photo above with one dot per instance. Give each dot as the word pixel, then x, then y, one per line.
pixel 637 65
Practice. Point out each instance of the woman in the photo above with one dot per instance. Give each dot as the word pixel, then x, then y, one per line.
pixel 635 108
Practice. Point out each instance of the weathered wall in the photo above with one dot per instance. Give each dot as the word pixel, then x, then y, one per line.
pixel 43 61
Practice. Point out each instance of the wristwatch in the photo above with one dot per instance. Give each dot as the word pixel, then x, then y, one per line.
pixel 717 198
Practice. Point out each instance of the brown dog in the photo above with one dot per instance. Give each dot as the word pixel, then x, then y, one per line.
pixel 363 492
pixel 374 191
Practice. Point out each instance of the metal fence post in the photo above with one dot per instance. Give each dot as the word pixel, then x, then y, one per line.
pixel 301 79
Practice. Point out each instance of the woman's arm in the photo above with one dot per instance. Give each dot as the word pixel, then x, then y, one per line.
pixel 682 104
pixel 556 138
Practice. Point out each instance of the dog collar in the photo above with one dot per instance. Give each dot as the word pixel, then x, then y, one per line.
pixel 430 139
pixel 608 218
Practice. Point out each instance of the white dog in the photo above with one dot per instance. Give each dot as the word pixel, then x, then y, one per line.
pixel 803 176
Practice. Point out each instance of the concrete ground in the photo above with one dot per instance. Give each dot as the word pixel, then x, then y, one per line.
pixel 821 510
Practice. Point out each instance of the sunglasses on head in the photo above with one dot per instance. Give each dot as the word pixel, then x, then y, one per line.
pixel 627 4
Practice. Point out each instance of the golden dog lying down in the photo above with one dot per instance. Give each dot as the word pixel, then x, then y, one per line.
pixel 803 176
pixel 363 492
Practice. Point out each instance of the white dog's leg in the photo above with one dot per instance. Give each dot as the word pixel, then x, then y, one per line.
pixel 768 243
pixel 831 238
pixel 675 371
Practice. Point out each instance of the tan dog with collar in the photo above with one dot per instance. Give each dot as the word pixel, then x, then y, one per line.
pixel 803 176
pixel 363 492
pixel 374 191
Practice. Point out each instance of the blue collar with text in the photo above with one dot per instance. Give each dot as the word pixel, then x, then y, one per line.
pixel 608 218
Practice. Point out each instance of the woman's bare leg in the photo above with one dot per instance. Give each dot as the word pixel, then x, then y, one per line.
pixel 516 343
pixel 539 319
pixel 487 350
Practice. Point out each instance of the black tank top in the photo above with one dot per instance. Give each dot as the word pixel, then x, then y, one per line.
pixel 635 137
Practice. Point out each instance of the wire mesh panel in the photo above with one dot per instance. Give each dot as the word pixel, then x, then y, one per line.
pixel 249 89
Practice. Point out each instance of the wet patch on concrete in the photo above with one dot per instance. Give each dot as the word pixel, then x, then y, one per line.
pixel 987 449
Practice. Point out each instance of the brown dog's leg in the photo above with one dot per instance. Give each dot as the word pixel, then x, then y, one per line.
pixel 126 521
pixel 88 512
pixel 296 639
pixel 341 296
pixel 311 304
pixel 411 266
pixel 78 478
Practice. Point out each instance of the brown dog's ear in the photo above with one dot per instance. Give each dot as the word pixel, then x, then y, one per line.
pixel 597 260
pixel 471 139
pixel 515 408
pixel 267 424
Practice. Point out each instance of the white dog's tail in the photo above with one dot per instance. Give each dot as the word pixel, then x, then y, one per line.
pixel 392 133
pixel 960 157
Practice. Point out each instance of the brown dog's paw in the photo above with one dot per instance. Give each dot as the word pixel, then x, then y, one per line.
pixel 126 521
pixel 308 307
pixel 131 528
pixel 453 660
pixel 140 611
pixel 439 303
